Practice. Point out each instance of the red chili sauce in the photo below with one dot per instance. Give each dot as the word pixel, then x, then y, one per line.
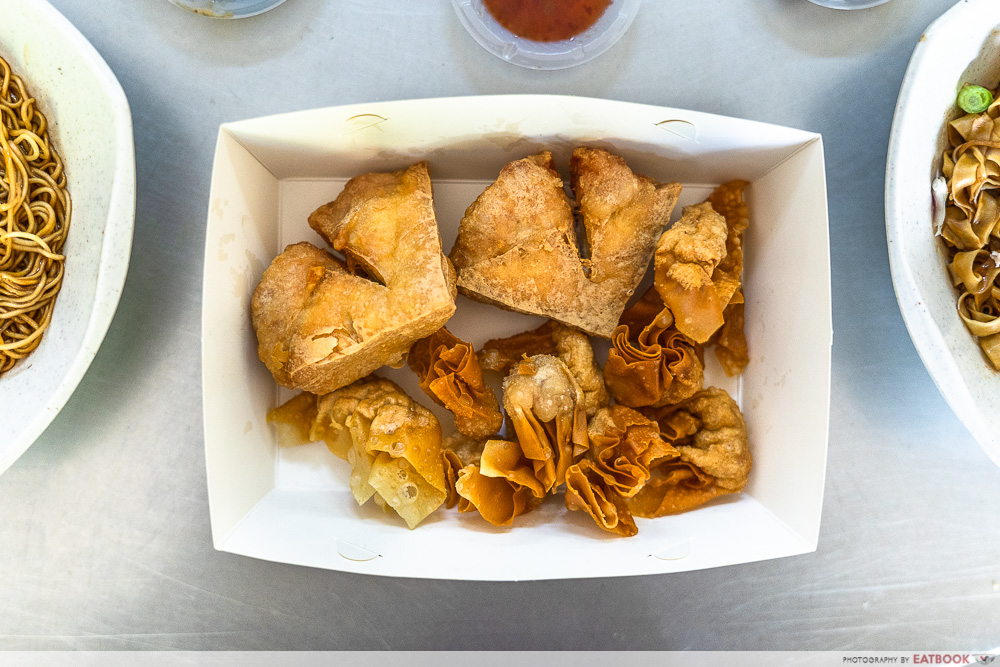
pixel 546 20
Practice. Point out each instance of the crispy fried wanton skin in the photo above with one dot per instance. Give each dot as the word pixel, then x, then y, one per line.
pixel 730 341
pixel 552 338
pixel 501 354
pixel 502 486
pixel 686 257
pixel 320 325
pixel 710 435
pixel 395 447
pixel 457 450
pixel 449 372
pixel 545 406
pixel 294 420
pixel 517 245
pixel 651 363
pixel 623 445
pixel 592 490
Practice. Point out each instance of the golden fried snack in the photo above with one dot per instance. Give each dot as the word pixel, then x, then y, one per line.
pixel 546 408
pixel 502 486
pixel 449 372
pixel 501 354
pixel 623 445
pixel 321 323
pixel 650 362
pixel 592 490
pixel 552 338
pixel 395 447
pixel 457 450
pixel 710 435
pixel 294 420
pixel 687 255
pixel 517 245
pixel 730 341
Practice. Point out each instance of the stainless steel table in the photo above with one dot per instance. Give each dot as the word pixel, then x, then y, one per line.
pixel 104 534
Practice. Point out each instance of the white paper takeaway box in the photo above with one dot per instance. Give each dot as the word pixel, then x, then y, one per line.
pixel 293 504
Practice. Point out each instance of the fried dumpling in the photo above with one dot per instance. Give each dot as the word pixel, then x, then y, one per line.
pixel 449 372
pixel 502 486
pixel 322 323
pixel 555 339
pixel 710 436
pixel 687 255
pixel 546 408
pixel 651 363
pixel 729 340
pixel 624 444
pixel 395 448
pixel 591 490
pixel 517 246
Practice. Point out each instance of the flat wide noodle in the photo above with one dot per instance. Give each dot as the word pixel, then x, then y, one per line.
pixel 591 490
pixel 650 362
pixel 545 406
pixel 623 445
pixel 971 227
pixel 449 372
pixel 710 435
pixel 395 447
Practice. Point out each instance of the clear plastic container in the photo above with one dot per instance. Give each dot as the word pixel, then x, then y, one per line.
pixel 227 9
pixel 546 55
pixel 848 4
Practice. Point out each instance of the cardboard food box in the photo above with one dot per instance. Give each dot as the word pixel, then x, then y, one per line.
pixel 293 504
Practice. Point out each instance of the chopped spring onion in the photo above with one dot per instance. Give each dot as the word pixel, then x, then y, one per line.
pixel 974 99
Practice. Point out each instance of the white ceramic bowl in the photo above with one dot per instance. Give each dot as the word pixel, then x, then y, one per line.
pixel 91 128
pixel 962 45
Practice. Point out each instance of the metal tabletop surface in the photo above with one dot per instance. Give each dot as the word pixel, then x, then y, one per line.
pixel 104 529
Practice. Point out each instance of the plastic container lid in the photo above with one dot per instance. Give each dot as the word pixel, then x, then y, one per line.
pixel 227 9
pixel 546 55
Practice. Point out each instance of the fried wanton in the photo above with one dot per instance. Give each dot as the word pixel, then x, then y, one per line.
pixel 592 490
pixel 517 246
pixel 457 450
pixel 545 406
pixel 658 366
pixel 501 354
pixel 395 447
pixel 503 485
pixel 552 338
pixel 710 435
pixel 450 373
pixel 687 255
pixel 305 418
pixel 623 445
pixel 321 323
pixel 730 341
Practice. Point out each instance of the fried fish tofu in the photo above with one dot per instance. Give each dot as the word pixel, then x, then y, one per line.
pixel 323 323
pixel 517 246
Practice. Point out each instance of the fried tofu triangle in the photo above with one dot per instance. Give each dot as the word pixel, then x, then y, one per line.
pixel 710 435
pixel 322 323
pixel 449 372
pixel 395 450
pixel 517 246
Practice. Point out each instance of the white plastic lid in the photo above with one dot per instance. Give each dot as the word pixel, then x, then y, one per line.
pixel 546 55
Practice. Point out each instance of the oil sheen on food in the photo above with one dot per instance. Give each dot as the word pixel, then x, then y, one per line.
pixel 546 20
